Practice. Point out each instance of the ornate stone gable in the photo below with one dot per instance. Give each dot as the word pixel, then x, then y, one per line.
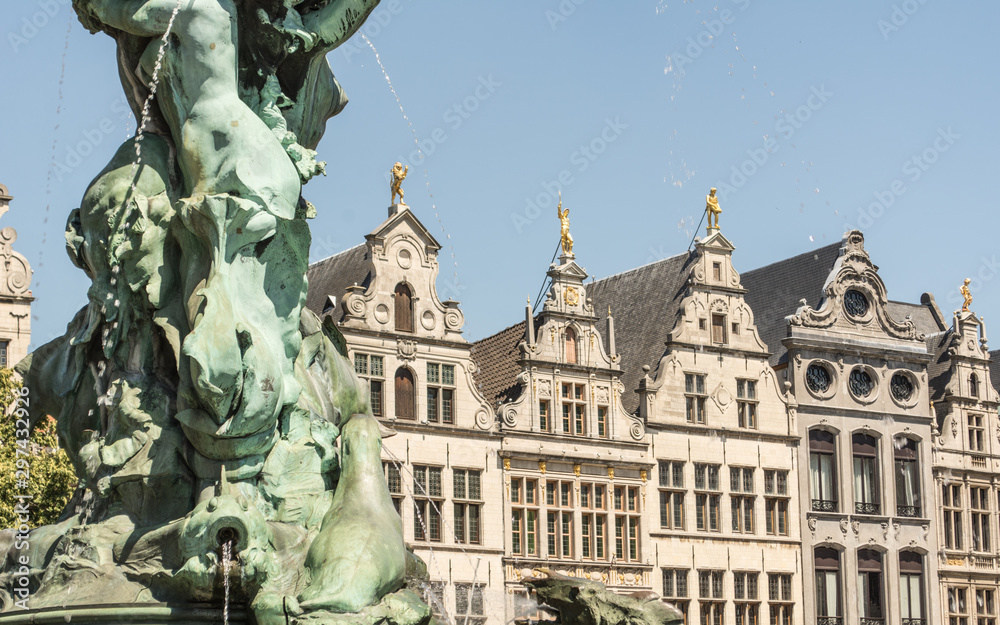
pixel 713 312
pixel 15 272
pixel 855 299
pixel 402 294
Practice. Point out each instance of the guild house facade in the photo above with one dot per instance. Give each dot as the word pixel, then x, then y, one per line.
pixel 787 445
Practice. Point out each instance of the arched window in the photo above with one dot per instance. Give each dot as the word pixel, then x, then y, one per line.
pixel 866 491
pixel 404 308
pixel 405 397
pixel 870 586
pixel 907 477
pixel 829 607
pixel 974 385
pixel 911 586
pixel 823 471
pixel 571 346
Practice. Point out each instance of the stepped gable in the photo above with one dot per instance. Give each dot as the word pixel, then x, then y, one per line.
pixel 331 277
pixel 774 292
pixel 496 364
pixel 645 302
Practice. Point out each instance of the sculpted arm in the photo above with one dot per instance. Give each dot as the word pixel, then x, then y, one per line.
pixel 146 18
pixel 337 21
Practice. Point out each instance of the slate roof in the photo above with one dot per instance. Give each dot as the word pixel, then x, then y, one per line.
pixel 939 370
pixel 496 364
pixel 332 276
pixel 645 305
pixel 995 369
pixel 774 292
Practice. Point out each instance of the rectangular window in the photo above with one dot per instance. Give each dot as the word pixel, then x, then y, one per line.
pixel 559 523
pixel 741 480
pixel 469 605
pixel 979 511
pixel 911 587
pixel 823 471
pixel 745 588
pixel 717 271
pixel 776 507
pixel 977 434
pixel 602 421
pixel 543 416
pixel 908 502
pixel 866 476
pixel 675 589
pixel 593 521
pixel 574 409
pixel 746 403
pixel 671 494
pixel 695 397
pixel 370 369
pixel 952 509
pixel 986 611
pixel 433 596
pixel 468 505
pixel 395 482
pixel 958 608
pixel 719 329
pixel 440 393
pixel 524 516
pixel 427 503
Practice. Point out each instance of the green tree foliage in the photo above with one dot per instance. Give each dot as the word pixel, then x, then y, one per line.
pixel 50 476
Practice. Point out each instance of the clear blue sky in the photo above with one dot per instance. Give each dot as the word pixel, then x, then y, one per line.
pixel 639 106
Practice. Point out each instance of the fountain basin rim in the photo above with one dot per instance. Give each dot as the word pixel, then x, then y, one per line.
pixel 138 613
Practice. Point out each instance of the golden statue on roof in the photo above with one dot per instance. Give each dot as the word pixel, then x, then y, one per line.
pixel 567 238
pixel 967 294
pixel 398 176
pixel 712 208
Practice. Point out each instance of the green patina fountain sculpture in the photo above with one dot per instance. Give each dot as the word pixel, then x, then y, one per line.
pixel 198 399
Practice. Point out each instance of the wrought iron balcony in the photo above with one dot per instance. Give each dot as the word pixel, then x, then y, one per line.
pixel 822 505
pixel 867 508
pixel 914 621
pixel 872 621
pixel 829 620
pixel 908 511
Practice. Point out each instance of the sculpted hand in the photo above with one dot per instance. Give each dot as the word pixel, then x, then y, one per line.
pixel 337 21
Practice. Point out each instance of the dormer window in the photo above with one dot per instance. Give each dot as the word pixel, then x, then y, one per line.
pixel 404 308
pixel 974 385
pixel 571 346
pixel 719 329
pixel 717 272
pixel 405 397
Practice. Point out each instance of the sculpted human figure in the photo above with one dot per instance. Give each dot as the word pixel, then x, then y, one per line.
pixel 966 295
pixel 194 385
pixel 398 176
pixel 565 237
pixel 712 208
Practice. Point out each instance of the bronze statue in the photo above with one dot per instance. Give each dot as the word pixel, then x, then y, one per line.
pixel 567 238
pixel 967 294
pixel 398 176
pixel 712 208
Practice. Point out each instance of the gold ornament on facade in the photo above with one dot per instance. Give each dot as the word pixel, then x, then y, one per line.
pixel 571 296
pixel 565 237
pixel 576 470
pixel 712 209
pixel 642 475
pixel 611 473
pixel 541 466
pixel 398 176
pixel 506 464
pixel 966 294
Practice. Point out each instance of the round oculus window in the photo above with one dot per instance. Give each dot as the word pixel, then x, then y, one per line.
pixel 818 378
pixel 855 303
pixel 901 386
pixel 861 383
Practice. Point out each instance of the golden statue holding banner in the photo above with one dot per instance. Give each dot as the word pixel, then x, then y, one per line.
pixel 712 208
pixel 567 238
